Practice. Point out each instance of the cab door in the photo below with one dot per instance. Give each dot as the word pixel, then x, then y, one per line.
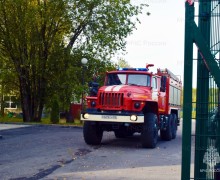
pixel 154 88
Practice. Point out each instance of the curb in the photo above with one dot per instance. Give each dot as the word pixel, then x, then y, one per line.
pixel 43 125
pixel 56 125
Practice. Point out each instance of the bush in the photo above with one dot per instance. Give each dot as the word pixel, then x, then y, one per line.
pixel 55 115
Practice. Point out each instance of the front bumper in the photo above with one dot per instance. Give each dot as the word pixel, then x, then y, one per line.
pixel 113 118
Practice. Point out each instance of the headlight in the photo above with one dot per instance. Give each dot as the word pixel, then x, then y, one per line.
pixel 85 116
pixel 93 104
pixel 133 118
pixel 137 105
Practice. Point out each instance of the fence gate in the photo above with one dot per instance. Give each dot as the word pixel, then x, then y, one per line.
pixel 200 150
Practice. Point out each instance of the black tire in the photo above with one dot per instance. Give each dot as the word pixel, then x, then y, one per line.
pixel 167 134
pixel 174 126
pixel 149 134
pixel 92 133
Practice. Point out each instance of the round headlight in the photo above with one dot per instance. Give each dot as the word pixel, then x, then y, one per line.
pixel 133 118
pixel 86 116
pixel 93 104
pixel 137 105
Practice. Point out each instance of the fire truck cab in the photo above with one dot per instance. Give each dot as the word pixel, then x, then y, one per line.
pixel 134 100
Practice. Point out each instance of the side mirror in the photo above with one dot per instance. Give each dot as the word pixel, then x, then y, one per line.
pixel 93 88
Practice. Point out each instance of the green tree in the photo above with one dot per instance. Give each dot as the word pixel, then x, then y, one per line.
pixel 43 40
pixel 8 82
pixel 123 63
pixel 29 32
pixel 67 85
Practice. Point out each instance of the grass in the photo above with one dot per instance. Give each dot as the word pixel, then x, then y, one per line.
pixel 45 121
pixel 7 119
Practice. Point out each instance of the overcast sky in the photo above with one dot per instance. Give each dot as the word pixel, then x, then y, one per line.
pixel 159 39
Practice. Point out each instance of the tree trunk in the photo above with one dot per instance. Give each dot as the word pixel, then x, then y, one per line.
pixel 25 101
pixel 32 99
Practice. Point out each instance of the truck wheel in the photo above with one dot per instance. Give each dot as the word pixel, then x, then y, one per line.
pixel 149 132
pixel 167 134
pixel 174 126
pixel 92 133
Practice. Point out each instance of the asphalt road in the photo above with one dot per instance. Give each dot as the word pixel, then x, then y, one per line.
pixel 53 152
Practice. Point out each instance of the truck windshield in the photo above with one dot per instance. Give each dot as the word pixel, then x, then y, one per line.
pixel 116 79
pixel 132 79
pixel 139 79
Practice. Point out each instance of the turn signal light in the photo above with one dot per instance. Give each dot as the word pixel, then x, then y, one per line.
pixel 137 105
pixel 93 104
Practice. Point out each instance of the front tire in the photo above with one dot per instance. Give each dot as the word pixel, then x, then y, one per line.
pixel 92 133
pixel 149 132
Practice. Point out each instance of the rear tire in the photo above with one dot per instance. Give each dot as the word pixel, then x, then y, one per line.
pixel 149 132
pixel 92 133
pixel 168 133
pixel 174 126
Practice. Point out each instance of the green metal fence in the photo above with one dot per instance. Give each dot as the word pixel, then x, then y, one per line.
pixel 202 37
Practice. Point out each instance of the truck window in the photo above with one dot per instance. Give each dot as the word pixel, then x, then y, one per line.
pixel 154 83
pixel 163 84
pixel 116 79
pixel 139 79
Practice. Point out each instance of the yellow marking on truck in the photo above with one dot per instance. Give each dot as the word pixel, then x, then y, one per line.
pixel 141 96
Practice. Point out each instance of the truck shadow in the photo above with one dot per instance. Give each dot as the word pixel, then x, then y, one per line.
pixel 128 142
pixel 109 140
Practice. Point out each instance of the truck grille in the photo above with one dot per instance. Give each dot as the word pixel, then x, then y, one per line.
pixel 111 100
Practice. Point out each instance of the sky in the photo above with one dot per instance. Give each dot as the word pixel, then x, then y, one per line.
pixel 159 39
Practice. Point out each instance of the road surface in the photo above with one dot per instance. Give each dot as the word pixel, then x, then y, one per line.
pixel 57 152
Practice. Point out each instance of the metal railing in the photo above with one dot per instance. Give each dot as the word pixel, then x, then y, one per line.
pixel 203 30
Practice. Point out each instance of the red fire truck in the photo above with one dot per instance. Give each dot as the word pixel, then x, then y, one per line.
pixel 134 100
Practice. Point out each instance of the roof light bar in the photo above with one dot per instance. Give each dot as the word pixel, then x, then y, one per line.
pixel 132 69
